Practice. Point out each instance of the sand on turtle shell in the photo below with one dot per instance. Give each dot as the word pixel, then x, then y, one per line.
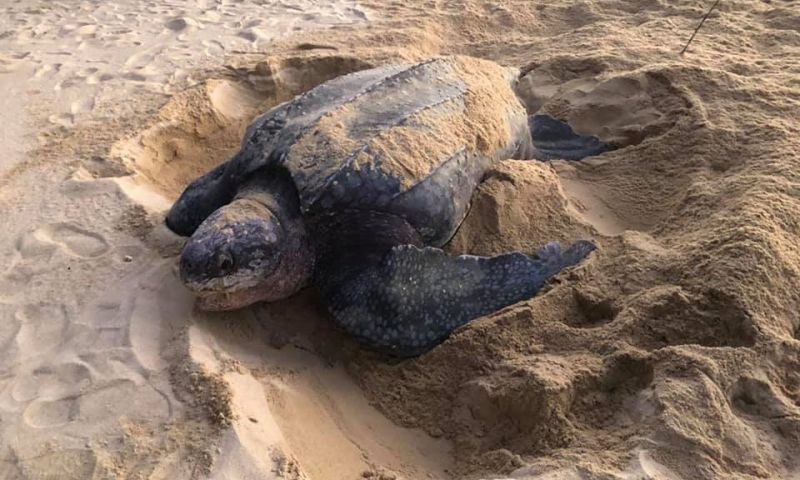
pixel 672 353
pixel 479 122
pixel 483 126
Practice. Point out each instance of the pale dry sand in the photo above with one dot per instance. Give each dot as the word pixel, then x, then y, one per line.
pixel 673 353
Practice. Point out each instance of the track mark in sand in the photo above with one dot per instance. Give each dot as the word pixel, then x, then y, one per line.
pixel 617 395
pixel 179 24
pixel 95 78
pixel 19 270
pixel 139 60
pixel 213 47
pixel 75 240
pixel 596 308
pixel 9 327
pixel 357 12
pixel 9 63
pixel 76 108
pixel 594 209
pixel 112 398
pixel 669 315
pixel 757 397
pixel 44 414
pixel 41 328
pixel 87 30
pixel 770 415
pixel 18 279
pixel 47 70
pixel 29 246
pixel 62 119
pixel 52 382
pixel 83 105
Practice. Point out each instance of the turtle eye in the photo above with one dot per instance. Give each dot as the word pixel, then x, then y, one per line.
pixel 225 263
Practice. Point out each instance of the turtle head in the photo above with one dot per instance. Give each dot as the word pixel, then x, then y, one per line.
pixel 246 252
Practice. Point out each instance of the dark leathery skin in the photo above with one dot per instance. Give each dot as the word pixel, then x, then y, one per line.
pixel 255 249
pixel 414 298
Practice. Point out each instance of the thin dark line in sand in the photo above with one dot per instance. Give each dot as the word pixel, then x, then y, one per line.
pixel 699 25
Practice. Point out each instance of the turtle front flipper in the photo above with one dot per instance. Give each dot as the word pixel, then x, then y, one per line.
pixel 200 199
pixel 413 298
pixel 554 139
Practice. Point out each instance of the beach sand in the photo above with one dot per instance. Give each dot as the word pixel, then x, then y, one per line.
pixel 674 352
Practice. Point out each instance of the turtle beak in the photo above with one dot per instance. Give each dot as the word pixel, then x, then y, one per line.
pixel 205 260
pixel 223 301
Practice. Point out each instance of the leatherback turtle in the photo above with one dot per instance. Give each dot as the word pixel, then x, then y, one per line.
pixel 355 185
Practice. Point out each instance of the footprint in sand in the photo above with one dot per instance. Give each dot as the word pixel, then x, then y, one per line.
pixel 96 78
pixel 7 66
pixel 78 241
pixel 47 70
pixel 41 328
pixel 63 119
pixel 29 246
pixel 10 63
pixel 9 327
pixel 12 284
pixel 87 30
pixel 52 382
pixel 180 24
pixel 213 47
pixel 92 76
pixel 83 105
pixel 44 414
pixel 139 60
pixel 73 239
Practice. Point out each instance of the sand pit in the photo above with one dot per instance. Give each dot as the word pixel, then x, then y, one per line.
pixel 672 353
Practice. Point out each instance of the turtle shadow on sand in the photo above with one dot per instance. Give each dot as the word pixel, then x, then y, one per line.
pixel 354 187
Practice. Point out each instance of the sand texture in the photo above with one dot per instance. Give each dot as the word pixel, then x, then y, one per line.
pixel 674 352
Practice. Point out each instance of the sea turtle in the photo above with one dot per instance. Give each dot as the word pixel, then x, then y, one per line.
pixel 355 185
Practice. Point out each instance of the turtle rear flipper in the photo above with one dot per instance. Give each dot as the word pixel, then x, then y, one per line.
pixel 554 139
pixel 413 298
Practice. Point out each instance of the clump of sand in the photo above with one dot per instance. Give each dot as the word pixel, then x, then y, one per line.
pixel 671 353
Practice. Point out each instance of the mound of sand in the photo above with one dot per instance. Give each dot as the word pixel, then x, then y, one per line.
pixel 672 353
